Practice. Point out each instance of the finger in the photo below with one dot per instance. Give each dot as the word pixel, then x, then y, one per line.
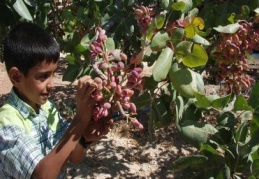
pixel 88 95
pixel 82 80
pixel 107 126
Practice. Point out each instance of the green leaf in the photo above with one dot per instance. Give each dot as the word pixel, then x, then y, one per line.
pixel 164 4
pixel 255 117
pixel 46 8
pixel 190 31
pixel 142 101
pixel 179 109
pixel 160 114
pixel 197 133
pixel 183 48
pixel 31 3
pixel 202 101
pixel 246 116
pixel 241 133
pixel 71 72
pixel 150 83
pixel 177 36
pixel 209 151
pixel 198 57
pixel 230 29
pixel 224 172
pixel 178 6
pixel 200 40
pixel 163 64
pixel 110 45
pixel 251 145
pixel 222 102
pixel 159 41
pixel 70 59
pixel 22 10
pixel 86 41
pixel 160 20
pixel 79 48
pixel 189 161
pixel 255 167
pixel 192 112
pixel 253 99
pixel 187 5
pixel 227 119
pixel 151 31
pixel 241 104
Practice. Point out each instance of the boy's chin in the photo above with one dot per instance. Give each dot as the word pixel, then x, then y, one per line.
pixel 43 101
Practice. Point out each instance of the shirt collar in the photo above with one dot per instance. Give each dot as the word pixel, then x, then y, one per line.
pixel 25 109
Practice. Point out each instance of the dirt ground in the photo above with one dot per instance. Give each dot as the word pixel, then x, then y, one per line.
pixel 124 152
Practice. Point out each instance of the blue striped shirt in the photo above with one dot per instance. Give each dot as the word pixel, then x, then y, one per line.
pixel 26 137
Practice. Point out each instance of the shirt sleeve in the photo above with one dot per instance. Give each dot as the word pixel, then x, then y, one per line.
pixel 19 153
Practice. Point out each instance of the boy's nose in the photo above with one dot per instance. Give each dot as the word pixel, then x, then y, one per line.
pixel 50 84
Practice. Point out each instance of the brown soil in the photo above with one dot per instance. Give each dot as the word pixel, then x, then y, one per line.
pixel 124 152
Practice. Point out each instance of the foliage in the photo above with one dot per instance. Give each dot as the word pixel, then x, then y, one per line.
pixel 181 40
pixel 228 150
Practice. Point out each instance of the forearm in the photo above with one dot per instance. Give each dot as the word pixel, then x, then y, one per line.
pixel 77 154
pixel 52 163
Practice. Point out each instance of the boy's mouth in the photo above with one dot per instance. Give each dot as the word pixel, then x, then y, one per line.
pixel 46 95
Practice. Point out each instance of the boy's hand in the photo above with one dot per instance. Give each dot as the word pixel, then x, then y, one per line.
pixel 97 129
pixel 84 101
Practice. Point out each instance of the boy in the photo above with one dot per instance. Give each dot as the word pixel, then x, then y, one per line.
pixel 34 141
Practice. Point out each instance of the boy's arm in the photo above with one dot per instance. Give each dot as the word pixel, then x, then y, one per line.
pixel 51 165
pixel 94 132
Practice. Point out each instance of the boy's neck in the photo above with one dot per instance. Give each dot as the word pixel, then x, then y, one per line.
pixel 21 98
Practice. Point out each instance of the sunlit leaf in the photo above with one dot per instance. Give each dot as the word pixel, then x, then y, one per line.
pixel 70 59
pixel 221 102
pixel 198 22
pixel 189 31
pixel 178 6
pixel 188 5
pixel 189 161
pixel 227 119
pixel 163 64
pixel 197 133
pixel 160 20
pixel 86 41
pixel 159 40
pixel 110 45
pixel 198 57
pixel 231 28
pixel 164 4
pixel 31 3
pixel 79 48
pixel 200 40
pixel 241 104
pixel 22 10
pixel 202 101
pixel 182 49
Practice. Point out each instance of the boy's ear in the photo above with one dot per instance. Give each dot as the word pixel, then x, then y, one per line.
pixel 15 75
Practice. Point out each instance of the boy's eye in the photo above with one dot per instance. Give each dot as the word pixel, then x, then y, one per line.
pixel 44 76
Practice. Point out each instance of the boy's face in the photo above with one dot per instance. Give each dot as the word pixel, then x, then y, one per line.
pixel 35 88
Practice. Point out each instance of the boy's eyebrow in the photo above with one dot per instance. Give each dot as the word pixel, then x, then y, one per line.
pixel 46 71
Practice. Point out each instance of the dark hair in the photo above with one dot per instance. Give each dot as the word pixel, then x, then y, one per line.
pixel 28 44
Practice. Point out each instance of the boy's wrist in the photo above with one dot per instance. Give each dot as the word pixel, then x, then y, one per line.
pixel 83 143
